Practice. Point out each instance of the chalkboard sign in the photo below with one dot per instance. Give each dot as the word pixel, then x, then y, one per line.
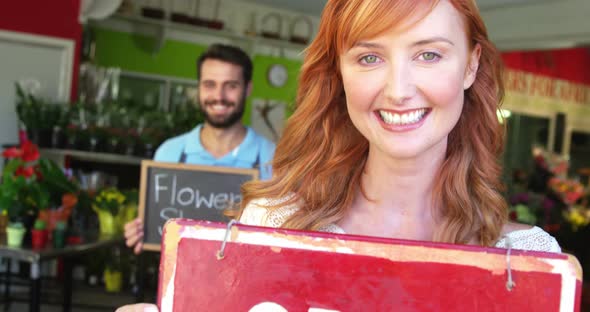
pixel 170 190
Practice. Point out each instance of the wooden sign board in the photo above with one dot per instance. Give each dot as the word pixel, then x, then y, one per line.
pixel 265 269
pixel 169 190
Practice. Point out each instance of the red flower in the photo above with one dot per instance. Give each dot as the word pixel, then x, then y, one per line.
pixel 26 172
pixel 513 216
pixel 30 151
pixel 12 152
pixel 38 173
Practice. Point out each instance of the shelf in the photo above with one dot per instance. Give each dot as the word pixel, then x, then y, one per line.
pixel 93 156
pixel 174 25
pixel 121 22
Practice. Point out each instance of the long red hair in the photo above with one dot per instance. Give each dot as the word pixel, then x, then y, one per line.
pixel 321 155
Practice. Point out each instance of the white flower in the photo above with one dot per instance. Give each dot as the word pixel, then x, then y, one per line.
pixel 30 86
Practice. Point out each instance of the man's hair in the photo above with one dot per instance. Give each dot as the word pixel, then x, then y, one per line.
pixel 229 54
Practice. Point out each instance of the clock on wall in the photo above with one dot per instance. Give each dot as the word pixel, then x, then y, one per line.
pixel 277 75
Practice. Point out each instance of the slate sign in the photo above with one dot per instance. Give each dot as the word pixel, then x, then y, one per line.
pixel 170 190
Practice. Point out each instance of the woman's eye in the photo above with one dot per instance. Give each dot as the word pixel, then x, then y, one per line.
pixel 369 59
pixel 429 56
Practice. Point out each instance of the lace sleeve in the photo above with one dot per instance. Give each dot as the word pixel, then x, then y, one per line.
pixel 534 239
pixel 256 213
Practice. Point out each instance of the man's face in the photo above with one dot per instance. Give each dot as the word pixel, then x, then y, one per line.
pixel 222 93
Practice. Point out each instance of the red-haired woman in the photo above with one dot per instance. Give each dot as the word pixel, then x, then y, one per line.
pixel 395 132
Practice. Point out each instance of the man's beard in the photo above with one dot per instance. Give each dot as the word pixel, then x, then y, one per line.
pixel 226 121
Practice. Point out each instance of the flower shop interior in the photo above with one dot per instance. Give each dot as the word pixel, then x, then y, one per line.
pixel 90 88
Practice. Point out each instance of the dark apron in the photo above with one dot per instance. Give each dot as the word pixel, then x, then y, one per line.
pixel 256 164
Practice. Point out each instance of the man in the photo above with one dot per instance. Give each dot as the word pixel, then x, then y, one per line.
pixel 225 75
pixel 225 81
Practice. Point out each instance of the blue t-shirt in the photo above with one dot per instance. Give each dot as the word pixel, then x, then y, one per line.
pixel 255 150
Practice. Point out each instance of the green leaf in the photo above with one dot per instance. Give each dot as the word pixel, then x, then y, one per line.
pixel 55 180
pixel 11 166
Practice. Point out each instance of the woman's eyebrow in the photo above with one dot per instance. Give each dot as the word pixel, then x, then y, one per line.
pixel 374 45
pixel 367 44
pixel 432 40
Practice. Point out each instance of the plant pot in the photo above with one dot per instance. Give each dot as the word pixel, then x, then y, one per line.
pixel 38 238
pixel 148 150
pixel 107 223
pixel 197 21
pixel 93 144
pixel 45 137
pixel 57 138
pixel 14 236
pixel 34 135
pixel 27 221
pixel 150 12
pixel 59 238
pixel 113 280
pixel 130 149
pixel 179 17
pixel 112 145
pixel 3 223
pixel 215 24
pixel 71 140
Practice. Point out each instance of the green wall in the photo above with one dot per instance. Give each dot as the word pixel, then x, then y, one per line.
pixel 133 52
pixel 262 89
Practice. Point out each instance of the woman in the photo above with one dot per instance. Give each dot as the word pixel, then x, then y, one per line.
pixel 395 133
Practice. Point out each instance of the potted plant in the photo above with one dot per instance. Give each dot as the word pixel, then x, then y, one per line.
pixel 131 206
pixel 58 133
pixel 39 235
pixel 21 193
pixel 185 117
pixel 28 108
pixel 112 275
pixel 63 193
pixel 107 205
pixel 15 232
pixel 59 234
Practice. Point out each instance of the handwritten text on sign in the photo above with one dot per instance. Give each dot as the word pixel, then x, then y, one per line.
pixel 180 198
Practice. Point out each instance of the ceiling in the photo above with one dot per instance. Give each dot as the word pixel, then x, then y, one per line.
pixel 314 7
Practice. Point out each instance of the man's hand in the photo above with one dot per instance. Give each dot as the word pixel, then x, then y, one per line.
pixel 134 236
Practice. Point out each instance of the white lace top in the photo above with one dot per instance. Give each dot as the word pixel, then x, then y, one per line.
pixel 534 239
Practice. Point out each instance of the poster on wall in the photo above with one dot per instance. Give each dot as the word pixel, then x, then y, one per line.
pixel 249 268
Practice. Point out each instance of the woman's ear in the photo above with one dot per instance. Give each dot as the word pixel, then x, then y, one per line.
pixel 472 66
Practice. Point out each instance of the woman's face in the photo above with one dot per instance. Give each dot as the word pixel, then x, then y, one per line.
pixel 404 88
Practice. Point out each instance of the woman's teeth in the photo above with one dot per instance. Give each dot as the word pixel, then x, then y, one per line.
pixel 402 119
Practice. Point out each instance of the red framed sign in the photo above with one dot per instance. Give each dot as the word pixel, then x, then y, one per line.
pixel 250 268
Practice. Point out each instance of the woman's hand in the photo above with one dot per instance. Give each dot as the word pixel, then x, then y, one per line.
pixel 139 307
pixel 134 235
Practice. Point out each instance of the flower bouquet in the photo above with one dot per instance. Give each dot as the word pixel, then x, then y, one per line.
pixel 108 205
pixel 568 190
pixel 21 192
